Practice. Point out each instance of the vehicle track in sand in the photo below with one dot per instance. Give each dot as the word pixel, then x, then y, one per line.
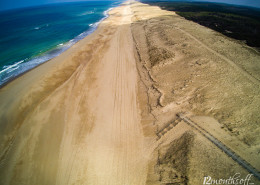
pixel 116 143
pixel 113 152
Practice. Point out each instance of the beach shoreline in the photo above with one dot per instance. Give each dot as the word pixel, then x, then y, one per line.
pixel 68 93
pixel 41 58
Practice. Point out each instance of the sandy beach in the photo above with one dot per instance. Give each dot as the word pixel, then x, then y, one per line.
pixel 92 115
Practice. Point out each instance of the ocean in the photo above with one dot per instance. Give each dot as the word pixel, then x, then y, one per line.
pixel 32 36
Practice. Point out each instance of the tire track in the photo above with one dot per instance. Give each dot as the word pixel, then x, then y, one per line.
pixel 115 146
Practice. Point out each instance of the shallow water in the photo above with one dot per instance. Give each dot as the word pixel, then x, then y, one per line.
pixel 31 36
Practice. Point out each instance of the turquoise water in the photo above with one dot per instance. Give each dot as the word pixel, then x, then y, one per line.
pixel 31 36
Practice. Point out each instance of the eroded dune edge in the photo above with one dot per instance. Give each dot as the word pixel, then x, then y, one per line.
pixel 104 111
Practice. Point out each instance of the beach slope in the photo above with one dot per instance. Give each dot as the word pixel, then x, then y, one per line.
pixel 75 119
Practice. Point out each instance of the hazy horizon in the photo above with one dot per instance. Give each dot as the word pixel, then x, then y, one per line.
pixel 14 4
pixel 251 3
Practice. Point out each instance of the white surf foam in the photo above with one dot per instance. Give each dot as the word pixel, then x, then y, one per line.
pixel 11 71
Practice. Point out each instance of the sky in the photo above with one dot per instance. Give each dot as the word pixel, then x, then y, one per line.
pixel 252 3
pixel 11 4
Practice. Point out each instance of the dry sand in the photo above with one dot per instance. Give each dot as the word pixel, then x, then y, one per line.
pixel 90 116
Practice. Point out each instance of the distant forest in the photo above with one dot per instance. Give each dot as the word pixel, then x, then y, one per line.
pixel 238 22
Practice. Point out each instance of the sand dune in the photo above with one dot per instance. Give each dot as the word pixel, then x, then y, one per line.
pixel 213 80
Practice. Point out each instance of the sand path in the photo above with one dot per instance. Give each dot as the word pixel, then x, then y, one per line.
pixel 113 151
pixel 115 147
